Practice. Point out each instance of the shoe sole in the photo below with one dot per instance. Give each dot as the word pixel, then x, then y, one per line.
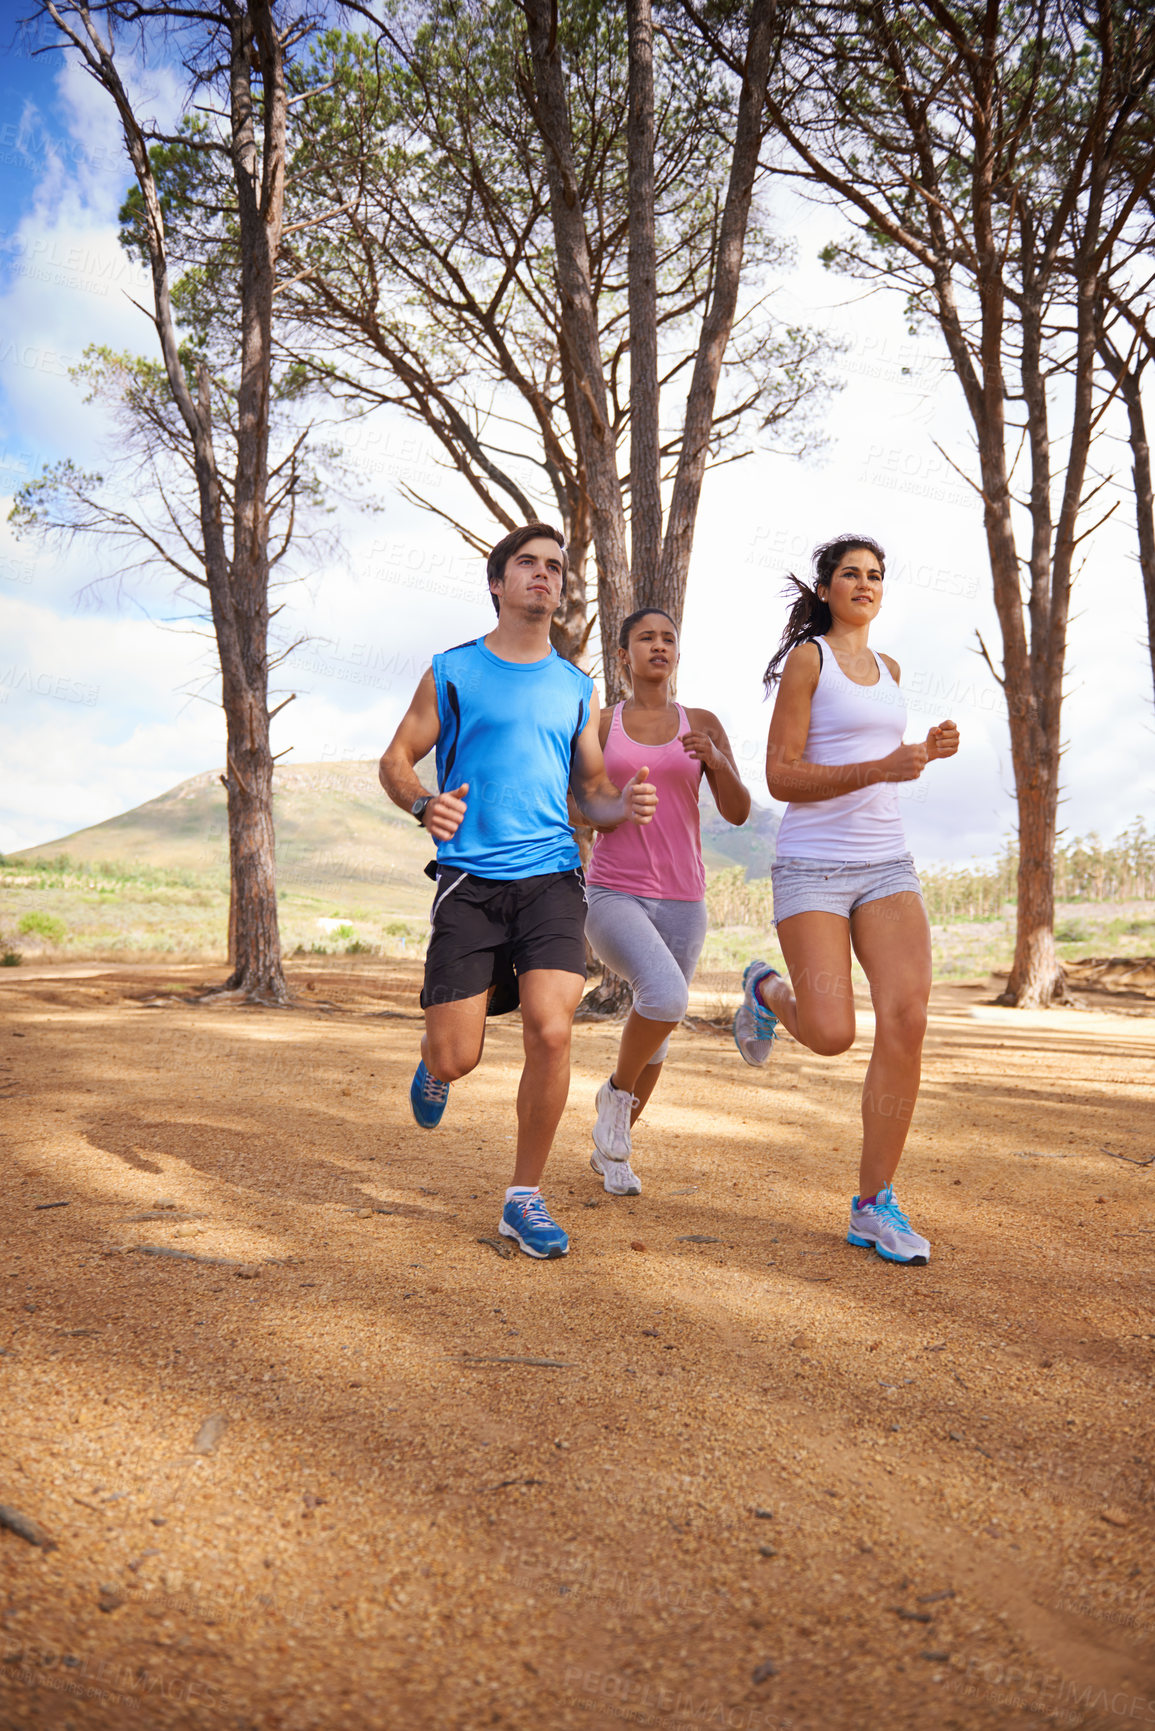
pixel 604 1176
pixel 539 1255
pixel 887 1255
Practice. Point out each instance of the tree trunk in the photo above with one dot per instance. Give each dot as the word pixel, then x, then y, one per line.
pixel 1036 978
pixel 238 588
pixel 1144 503
pixel 257 971
pixel 610 1000
pixel 580 339
pixel 669 583
pixel 645 458
pixel 571 625
pixel 1128 379
pixel 258 173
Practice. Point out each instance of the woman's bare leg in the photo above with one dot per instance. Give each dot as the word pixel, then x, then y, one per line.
pixel 640 1040
pixel 643 1088
pixel 891 939
pixel 816 1005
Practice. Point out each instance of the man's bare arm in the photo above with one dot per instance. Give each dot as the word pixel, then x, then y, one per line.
pixel 415 738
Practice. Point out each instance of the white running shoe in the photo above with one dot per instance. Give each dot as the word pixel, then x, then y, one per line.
pixel 612 1145
pixel 618 1176
pixel 881 1225
pixel 612 1129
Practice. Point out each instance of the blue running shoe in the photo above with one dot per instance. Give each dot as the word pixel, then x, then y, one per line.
pixel 527 1219
pixel 754 1024
pixel 881 1225
pixel 427 1096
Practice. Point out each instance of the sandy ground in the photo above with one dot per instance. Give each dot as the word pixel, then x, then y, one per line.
pixel 339 1463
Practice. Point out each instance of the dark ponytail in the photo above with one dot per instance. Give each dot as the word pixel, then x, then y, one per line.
pixel 810 616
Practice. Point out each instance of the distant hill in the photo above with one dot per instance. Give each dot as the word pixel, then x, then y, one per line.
pixel 337 834
pixel 752 847
pixel 338 837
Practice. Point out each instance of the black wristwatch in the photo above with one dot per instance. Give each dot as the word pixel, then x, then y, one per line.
pixel 418 807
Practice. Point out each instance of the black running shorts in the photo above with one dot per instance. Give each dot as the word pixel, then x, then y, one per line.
pixel 487 931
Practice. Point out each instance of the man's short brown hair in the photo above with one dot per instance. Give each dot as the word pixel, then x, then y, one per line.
pixel 512 543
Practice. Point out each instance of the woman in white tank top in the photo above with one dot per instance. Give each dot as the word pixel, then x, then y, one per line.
pixel 843 877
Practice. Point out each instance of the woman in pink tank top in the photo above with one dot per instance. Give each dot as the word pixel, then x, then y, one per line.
pixel 647 907
pixel 843 878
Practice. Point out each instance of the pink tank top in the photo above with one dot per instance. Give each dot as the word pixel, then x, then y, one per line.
pixel 662 859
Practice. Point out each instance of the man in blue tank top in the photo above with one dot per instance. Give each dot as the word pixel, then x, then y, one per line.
pixel 516 729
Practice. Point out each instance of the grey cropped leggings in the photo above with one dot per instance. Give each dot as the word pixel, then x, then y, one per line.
pixel 652 943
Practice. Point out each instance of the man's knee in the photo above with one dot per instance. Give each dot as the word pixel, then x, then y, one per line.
pixel 450 1056
pixel 548 1037
pixel 449 1064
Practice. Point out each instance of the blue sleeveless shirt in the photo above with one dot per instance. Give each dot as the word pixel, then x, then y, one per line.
pixel 510 729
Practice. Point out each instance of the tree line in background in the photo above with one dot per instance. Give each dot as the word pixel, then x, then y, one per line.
pixel 540 231
pixel 1087 870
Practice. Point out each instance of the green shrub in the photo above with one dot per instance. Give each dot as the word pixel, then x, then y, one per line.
pixel 45 926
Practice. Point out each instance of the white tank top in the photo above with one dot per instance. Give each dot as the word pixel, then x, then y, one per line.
pixel 849 723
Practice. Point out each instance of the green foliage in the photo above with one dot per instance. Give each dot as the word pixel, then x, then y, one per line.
pixel 48 501
pixel 1086 870
pixel 63 872
pixel 42 925
pixel 443 273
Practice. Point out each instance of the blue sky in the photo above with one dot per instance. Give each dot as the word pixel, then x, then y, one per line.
pixel 104 702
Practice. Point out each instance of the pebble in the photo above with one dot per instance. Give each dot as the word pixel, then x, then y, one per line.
pixel 110 1599
pixel 801 1340
pixel 763 1672
pixel 636 1244
pixel 767 1551
pixel 246 1271
pixel 1116 1518
pixel 763 1514
pixel 210 1433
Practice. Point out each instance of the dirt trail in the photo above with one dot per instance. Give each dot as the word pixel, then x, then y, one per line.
pixel 755 1478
